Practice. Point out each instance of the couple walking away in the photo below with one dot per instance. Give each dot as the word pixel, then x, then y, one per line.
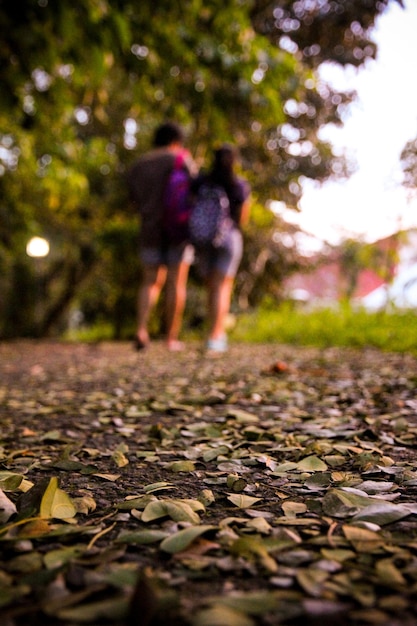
pixel 166 254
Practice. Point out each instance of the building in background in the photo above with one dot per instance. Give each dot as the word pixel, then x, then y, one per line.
pixel 393 283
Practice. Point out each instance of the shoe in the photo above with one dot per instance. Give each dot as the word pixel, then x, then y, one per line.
pixel 175 346
pixel 217 345
pixel 138 344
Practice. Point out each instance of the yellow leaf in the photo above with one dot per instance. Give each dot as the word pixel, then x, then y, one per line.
pixel 260 525
pixel 338 554
pixel 179 511
pixel 243 416
pixel 312 580
pixel 389 574
pixel 218 614
pixel 111 477
pixel 56 503
pixel 312 464
pixel 254 545
pixel 154 510
pixel 206 497
pixel 182 512
pixel 182 466
pixel 62 507
pixel 362 539
pixel 47 498
pixel 85 505
pixel 120 459
pixel 243 502
pixel 292 509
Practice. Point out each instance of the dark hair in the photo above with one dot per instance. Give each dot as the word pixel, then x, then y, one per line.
pixel 224 157
pixel 168 133
pixel 222 170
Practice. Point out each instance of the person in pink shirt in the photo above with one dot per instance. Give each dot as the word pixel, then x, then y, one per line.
pixel 165 262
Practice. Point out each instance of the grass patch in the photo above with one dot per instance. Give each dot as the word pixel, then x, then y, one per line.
pixel 344 326
pixel 394 331
pixel 91 334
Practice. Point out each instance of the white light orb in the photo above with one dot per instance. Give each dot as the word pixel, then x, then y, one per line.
pixel 37 247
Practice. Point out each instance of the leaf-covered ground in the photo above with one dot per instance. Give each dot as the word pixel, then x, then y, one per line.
pixel 273 485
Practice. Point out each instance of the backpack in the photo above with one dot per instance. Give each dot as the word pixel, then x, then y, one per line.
pixel 176 201
pixel 210 222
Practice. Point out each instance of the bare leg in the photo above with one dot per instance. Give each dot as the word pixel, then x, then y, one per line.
pixel 219 297
pixel 153 280
pixel 175 297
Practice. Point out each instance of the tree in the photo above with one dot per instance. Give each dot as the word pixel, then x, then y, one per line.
pixel 321 31
pixel 355 256
pixel 84 86
pixel 409 164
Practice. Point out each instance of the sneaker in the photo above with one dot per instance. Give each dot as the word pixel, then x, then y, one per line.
pixel 175 346
pixel 217 345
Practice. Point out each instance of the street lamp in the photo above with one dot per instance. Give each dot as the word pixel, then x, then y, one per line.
pixel 37 247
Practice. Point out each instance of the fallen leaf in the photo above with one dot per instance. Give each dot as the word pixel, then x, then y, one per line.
pixel 182 539
pixel 56 503
pixel 182 466
pixel 221 616
pixel 7 508
pixel 179 511
pixel 362 539
pixel 242 501
pixel 312 464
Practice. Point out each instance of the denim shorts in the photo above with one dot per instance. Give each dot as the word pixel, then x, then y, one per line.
pixel 171 255
pixel 224 260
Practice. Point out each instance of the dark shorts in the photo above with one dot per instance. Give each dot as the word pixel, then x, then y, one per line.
pixel 172 255
pixel 223 260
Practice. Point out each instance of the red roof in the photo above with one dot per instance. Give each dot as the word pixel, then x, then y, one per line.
pixel 328 281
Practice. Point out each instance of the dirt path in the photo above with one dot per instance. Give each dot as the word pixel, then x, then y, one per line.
pixel 271 485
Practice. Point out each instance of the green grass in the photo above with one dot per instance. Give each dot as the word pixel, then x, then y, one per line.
pixel 391 331
pixel 90 334
pixel 340 326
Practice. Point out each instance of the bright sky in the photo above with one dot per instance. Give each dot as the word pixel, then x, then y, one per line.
pixel 372 203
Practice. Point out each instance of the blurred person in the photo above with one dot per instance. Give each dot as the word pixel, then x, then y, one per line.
pixel 218 264
pixel 165 262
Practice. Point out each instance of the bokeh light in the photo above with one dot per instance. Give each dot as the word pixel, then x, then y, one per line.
pixel 37 247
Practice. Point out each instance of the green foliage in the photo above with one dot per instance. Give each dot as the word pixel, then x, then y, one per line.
pixel 356 255
pixel 305 23
pixel 340 326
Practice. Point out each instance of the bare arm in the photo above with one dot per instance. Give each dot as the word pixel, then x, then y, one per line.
pixel 245 212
